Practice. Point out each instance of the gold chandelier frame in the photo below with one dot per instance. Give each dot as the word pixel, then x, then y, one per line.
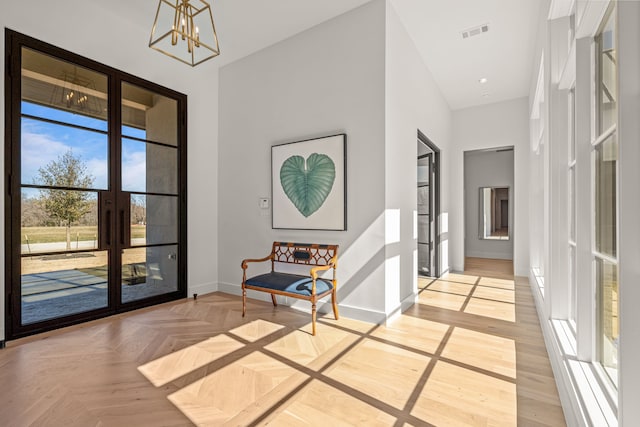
pixel 190 34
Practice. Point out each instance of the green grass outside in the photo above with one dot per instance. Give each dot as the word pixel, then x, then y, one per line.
pixel 80 233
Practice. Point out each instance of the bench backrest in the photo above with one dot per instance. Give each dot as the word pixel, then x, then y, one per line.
pixel 304 253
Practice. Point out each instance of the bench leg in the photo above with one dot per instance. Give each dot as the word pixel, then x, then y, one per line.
pixel 244 301
pixel 334 302
pixel 273 298
pixel 313 318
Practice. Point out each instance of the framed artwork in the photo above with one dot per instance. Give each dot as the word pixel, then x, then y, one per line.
pixel 308 184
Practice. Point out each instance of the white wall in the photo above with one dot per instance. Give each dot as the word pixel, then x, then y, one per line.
pixel 413 101
pixel 326 80
pixel 92 29
pixel 629 232
pixel 486 169
pixel 340 76
pixel 495 125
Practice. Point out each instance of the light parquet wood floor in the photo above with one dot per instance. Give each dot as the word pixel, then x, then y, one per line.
pixel 469 352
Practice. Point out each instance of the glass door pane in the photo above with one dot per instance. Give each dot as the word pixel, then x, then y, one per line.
pixel 149 173
pixel 136 155
pixel 64 152
pixel 149 271
pixel 607 81
pixel 149 116
pixel 606 157
pixel 608 320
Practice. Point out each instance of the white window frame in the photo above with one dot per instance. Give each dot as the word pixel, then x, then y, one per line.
pixel 573 207
pixel 598 137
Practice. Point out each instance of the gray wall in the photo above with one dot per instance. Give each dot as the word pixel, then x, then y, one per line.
pixel 486 169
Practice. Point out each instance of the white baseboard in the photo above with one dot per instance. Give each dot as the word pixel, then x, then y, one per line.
pixel 323 307
pixel 490 255
pixel 229 288
pixel 202 289
pixel 404 305
pixel 458 269
pixel 362 314
pixel 233 289
pixel 408 302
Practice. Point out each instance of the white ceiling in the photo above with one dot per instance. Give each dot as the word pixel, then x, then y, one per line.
pixel 246 26
pixel 504 55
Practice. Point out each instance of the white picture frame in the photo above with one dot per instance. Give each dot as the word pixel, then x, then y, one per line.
pixel 308 184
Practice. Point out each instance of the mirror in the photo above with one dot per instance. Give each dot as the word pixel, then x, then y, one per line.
pixel 494 213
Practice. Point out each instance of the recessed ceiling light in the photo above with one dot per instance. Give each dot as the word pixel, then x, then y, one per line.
pixel 482 80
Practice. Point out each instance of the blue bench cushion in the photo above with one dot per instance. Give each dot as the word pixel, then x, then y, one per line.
pixel 292 283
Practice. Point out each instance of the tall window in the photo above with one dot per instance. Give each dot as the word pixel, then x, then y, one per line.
pixel 605 187
pixel 537 178
pixel 572 208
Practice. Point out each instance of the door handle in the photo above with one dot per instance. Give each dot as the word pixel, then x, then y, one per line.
pixel 108 233
pixel 124 220
pixel 122 225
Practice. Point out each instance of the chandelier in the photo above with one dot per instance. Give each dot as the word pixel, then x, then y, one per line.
pixel 77 94
pixel 184 30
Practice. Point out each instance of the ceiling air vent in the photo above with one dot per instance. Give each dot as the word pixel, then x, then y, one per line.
pixel 474 31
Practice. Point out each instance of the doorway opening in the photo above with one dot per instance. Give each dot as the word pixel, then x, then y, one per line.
pixel 428 212
pixel 488 210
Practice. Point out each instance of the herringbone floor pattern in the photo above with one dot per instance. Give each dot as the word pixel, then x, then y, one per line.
pixel 469 352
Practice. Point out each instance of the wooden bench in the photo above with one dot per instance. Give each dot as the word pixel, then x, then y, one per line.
pixel 306 287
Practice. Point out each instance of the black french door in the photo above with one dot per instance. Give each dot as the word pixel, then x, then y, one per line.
pixel 428 208
pixel 425 215
pixel 95 202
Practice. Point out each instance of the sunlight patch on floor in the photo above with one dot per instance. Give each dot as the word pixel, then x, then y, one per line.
pixel 442 300
pixel 439 363
pixel 472 399
pixel 213 399
pixel 497 283
pixel 174 365
pixel 420 334
pixel 255 330
pixel 303 348
pixel 498 355
pixel 460 278
pixel 495 294
pixel 493 309
pixel 462 289
pixel 392 383
pixel 349 412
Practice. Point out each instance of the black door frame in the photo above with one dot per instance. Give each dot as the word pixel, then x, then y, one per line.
pixel 436 211
pixel 14 42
